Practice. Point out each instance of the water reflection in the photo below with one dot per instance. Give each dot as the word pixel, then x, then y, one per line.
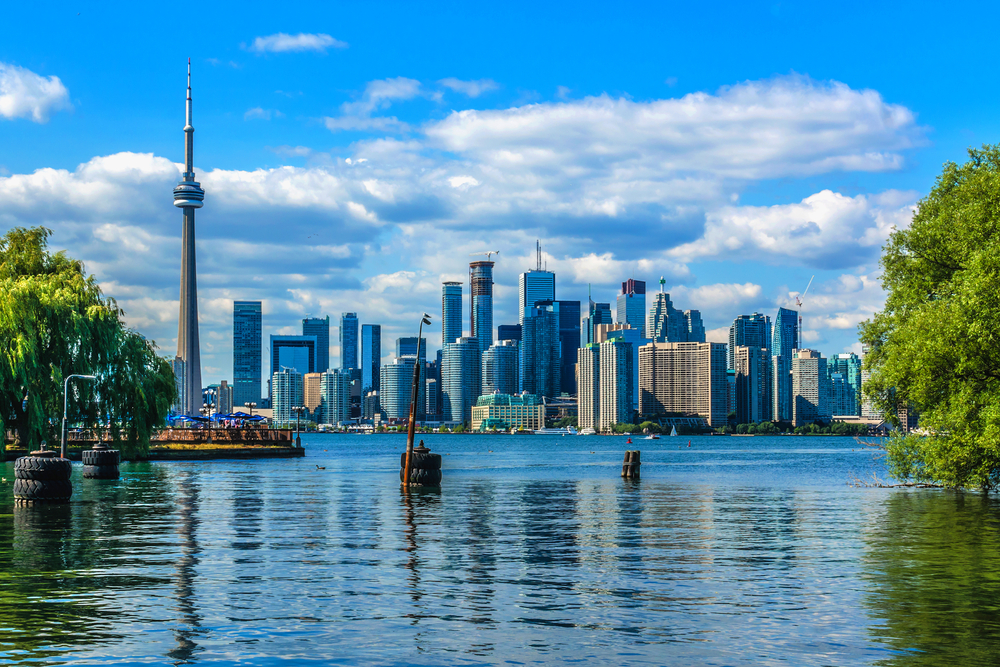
pixel 934 578
pixel 190 618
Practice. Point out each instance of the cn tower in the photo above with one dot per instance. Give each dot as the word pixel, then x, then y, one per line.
pixel 188 196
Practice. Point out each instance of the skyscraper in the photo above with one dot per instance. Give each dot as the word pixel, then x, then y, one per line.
pixel 810 388
pixel 540 364
pixel 320 328
pixel 371 356
pixel 451 312
pixel 848 365
pixel 481 303
pixel 461 374
pixel 666 324
pixel 511 332
pixel 407 346
pixel 397 388
pixel 785 338
pixel 693 327
pixel 534 286
pixel 500 368
pixel 588 395
pixel 637 338
pixel 616 358
pixel 335 396
pixel 188 195
pixel 632 304
pixel 348 340
pixel 689 378
pixel 597 314
pixel 247 356
pixel 569 343
pixel 286 390
pixel 753 384
pixel 295 352
pixel 750 331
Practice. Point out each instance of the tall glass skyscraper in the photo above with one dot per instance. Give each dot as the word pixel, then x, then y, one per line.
pixel 294 352
pixel 666 324
pixel 407 346
pixel 632 304
pixel 785 339
pixel 849 366
pixel 532 287
pixel 397 388
pixel 320 328
pixel 748 331
pixel 348 340
pixel 247 339
pixel 693 326
pixel 540 363
pixel 499 372
pixel 451 312
pixel 481 303
pixel 371 356
pixel 569 343
pixel 461 374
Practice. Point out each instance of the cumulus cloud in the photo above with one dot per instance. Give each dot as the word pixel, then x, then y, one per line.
pixel 378 95
pixel 24 94
pixel 283 43
pixel 262 114
pixel 469 88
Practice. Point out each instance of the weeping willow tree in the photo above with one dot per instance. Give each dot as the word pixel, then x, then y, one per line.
pixel 55 322
pixel 935 346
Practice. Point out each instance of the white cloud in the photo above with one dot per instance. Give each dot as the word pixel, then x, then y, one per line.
pixel 469 88
pixel 24 94
pixel 282 43
pixel 378 95
pixel 262 114
pixel 724 297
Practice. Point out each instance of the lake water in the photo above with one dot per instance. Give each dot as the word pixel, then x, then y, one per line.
pixel 734 551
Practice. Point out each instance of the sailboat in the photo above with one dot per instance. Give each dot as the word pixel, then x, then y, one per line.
pixel 673 430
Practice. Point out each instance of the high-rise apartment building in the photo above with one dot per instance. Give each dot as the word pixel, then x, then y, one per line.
pixel 785 339
pixel 753 384
pixel 294 352
pixel 451 312
pixel 637 339
pixel 632 304
pixel 247 358
pixel 689 378
pixel 588 395
pixel 569 343
pixel 312 399
pixel 848 365
pixel 511 332
pixel 461 375
pixel 397 387
pixel 225 397
pixel 499 373
pixel 348 340
pixel 407 347
pixel 371 357
pixel 320 328
pixel 750 331
pixel 810 388
pixel 868 408
pixel 286 392
pixel 616 401
pixel 335 396
pixel 842 398
pixel 540 364
pixel 481 303
pixel 432 411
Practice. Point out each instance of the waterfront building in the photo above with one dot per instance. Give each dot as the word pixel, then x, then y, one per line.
pixel 569 343
pixel 637 340
pixel 843 401
pixel 753 384
pixel 348 340
pixel 540 367
pixel 319 327
pixel 686 378
pixel 397 387
pixel 499 372
pixel 749 331
pixel 481 304
pixel 286 391
pixel 247 353
pixel 189 195
pixel 180 405
pixel 451 312
pixel 785 339
pixel 810 388
pixel 849 365
pixel 632 304
pixel 335 396
pixel 588 395
pixel 295 352
pixel 511 332
pixel 616 377
pixel 312 397
pixel 503 412
pixel 371 357
pixel 666 324
pixel 461 376
pixel 407 347
pixel 694 329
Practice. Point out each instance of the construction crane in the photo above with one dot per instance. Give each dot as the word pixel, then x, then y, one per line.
pixel 798 302
pixel 489 254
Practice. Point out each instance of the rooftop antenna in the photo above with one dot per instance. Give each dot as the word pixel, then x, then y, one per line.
pixel 538 255
pixel 662 283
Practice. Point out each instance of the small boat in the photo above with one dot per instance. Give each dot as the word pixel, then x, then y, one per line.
pixel 627 442
pixel 566 430
pixel 652 436
pixel 673 430
pixel 587 431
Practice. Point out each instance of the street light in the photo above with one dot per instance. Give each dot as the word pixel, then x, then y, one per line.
pixel 251 406
pixel 426 319
pixel 62 444
pixel 207 411
pixel 298 410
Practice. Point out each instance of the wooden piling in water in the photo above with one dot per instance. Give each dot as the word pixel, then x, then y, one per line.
pixel 630 466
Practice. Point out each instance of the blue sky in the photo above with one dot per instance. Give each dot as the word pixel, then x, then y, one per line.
pixel 355 153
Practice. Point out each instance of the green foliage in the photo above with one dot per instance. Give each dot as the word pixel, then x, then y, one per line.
pixel 935 345
pixel 565 421
pixel 459 428
pixel 652 427
pixel 626 428
pixel 54 322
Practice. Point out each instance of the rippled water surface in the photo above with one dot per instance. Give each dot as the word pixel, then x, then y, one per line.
pixel 734 551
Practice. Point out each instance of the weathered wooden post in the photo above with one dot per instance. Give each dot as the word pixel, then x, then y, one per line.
pixel 414 392
pixel 630 467
pixel 42 477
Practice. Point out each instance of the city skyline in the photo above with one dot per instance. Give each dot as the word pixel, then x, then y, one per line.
pixel 313 139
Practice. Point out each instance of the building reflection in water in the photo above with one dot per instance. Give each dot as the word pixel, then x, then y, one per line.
pixel 932 567
pixel 189 618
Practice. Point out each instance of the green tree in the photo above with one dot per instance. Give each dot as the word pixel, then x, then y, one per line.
pixel 934 347
pixel 54 322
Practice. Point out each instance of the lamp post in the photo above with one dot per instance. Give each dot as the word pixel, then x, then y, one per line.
pixel 251 406
pixel 206 410
pixel 62 444
pixel 425 319
pixel 298 410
